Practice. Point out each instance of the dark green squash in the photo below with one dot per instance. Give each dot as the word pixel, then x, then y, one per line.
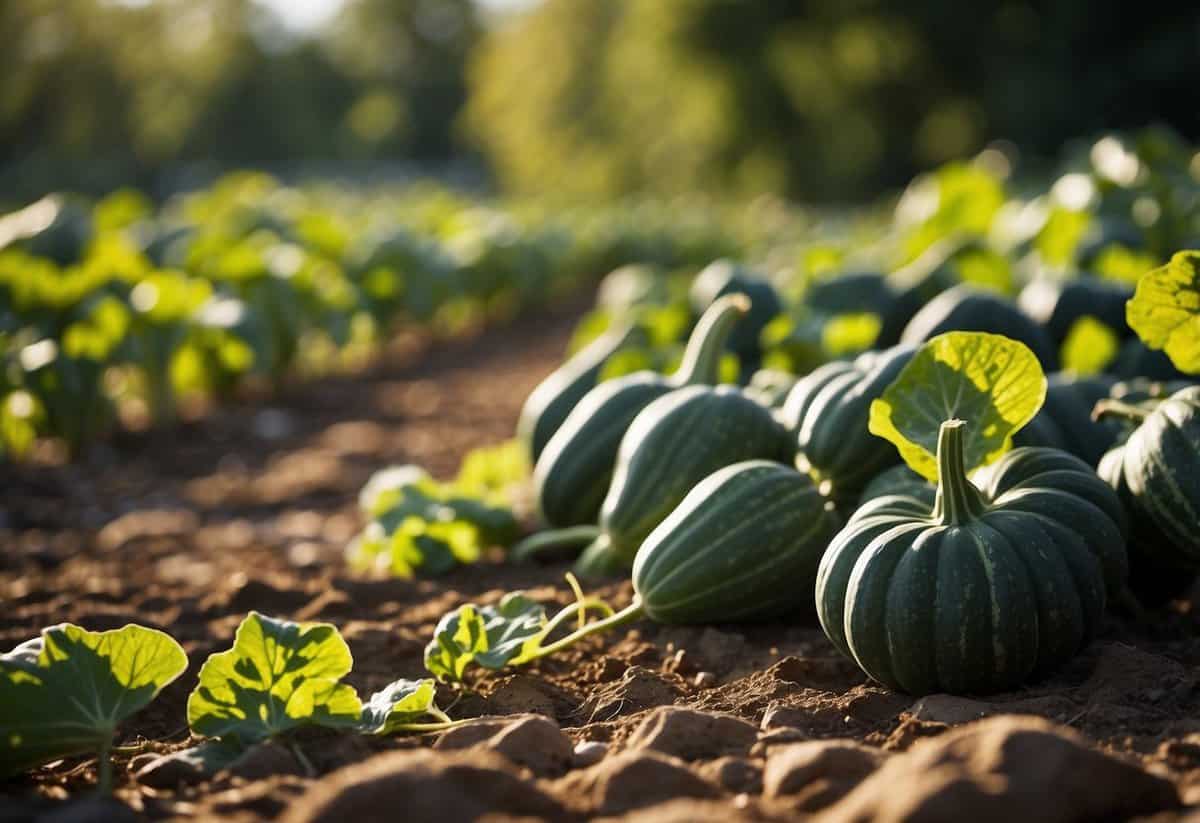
pixel 829 409
pixel 672 445
pixel 723 277
pixel 1057 304
pixel 984 590
pixel 572 474
pixel 1155 576
pixel 744 544
pixel 1160 465
pixel 968 308
pixel 1065 419
pixel 1135 359
pixel 901 481
pixel 552 400
pixel 851 293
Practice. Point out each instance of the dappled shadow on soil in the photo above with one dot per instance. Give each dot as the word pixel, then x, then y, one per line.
pixel 250 508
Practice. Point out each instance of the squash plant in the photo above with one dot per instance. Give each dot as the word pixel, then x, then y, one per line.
pixel 743 544
pixel 66 691
pixel 989 585
pixel 281 676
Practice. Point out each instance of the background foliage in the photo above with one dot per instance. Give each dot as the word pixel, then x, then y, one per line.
pixel 822 99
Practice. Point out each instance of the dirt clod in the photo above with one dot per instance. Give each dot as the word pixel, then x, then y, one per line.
pixel 692 735
pixel 840 763
pixel 535 743
pixel 422 787
pixel 1005 769
pixel 633 780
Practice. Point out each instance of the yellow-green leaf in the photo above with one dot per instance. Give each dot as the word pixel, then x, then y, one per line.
pixel 994 383
pixel 1165 310
pixel 1089 347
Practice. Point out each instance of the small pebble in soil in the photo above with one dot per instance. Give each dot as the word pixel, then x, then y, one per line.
pixel 705 680
pixel 589 753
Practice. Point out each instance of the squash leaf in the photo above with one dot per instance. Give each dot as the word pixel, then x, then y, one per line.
pixel 399 704
pixel 994 383
pixel 1165 310
pixel 491 636
pixel 66 691
pixel 1089 347
pixel 278 676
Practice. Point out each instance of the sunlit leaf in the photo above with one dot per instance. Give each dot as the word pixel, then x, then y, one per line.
pixel 278 676
pixel 66 691
pixel 491 636
pixel 1165 310
pixel 398 704
pixel 1089 347
pixel 994 383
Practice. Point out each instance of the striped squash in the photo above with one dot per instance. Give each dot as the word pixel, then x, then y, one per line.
pixel 828 410
pixel 743 545
pixel 673 444
pixel 1161 466
pixel 572 473
pixel 985 589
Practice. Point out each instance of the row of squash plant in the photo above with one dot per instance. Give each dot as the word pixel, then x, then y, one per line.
pixel 121 311
pixel 882 492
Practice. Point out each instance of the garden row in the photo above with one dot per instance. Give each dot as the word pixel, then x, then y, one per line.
pixel 120 312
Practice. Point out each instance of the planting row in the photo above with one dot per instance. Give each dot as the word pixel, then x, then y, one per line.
pixel 119 310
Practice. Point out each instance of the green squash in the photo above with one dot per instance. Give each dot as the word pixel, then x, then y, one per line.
pixel 828 410
pixel 984 590
pixel 1136 360
pixel 552 400
pixel 744 544
pixel 1065 420
pixel 852 293
pixel 1057 304
pixel 1161 467
pixel 724 277
pixel 898 480
pixel 572 473
pixel 1155 575
pixel 968 308
pixel 673 444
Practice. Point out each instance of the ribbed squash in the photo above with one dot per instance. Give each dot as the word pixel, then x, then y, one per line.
pixel 572 474
pixel 967 308
pixel 984 590
pixel 1155 575
pixel 1161 467
pixel 673 444
pixel 553 399
pixel 744 544
pixel 828 410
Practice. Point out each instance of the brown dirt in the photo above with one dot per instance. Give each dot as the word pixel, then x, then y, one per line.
pixel 250 507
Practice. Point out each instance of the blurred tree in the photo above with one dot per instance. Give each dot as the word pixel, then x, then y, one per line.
pixel 99 93
pixel 817 98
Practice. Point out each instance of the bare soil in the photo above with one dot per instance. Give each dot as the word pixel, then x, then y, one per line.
pixel 251 507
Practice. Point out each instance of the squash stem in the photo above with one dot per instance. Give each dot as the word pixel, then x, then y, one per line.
pixel 1116 408
pixel 104 769
pixel 702 358
pixel 627 615
pixel 548 541
pixel 957 498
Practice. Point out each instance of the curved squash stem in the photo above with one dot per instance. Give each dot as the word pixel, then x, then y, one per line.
pixel 702 357
pixel 627 615
pixel 957 498
pixel 547 541
pixel 580 607
pixel 1116 408
pixel 433 727
pixel 573 582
